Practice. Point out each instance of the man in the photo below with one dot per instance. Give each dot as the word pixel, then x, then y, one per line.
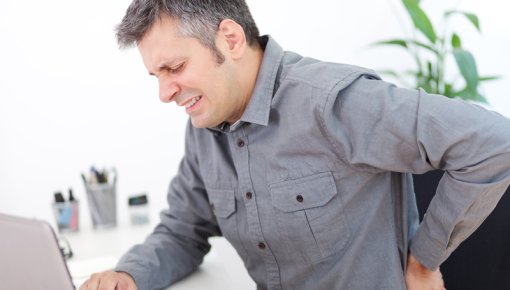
pixel 303 165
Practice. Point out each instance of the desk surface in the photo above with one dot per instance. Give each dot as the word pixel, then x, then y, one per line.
pixel 98 250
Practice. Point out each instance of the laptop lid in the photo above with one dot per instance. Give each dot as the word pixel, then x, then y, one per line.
pixel 30 258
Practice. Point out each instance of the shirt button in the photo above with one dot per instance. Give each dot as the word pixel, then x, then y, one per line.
pixel 299 198
pixel 262 246
pixel 249 195
pixel 212 206
pixel 240 142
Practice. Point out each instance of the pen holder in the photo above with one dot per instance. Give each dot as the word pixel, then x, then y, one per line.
pixel 102 204
pixel 66 215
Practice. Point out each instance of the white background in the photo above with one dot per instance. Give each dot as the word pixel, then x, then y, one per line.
pixel 70 99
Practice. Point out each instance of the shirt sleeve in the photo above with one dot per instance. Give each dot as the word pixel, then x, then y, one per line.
pixel 379 127
pixel 179 242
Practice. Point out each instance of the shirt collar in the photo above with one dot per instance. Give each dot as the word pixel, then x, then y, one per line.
pixel 258 108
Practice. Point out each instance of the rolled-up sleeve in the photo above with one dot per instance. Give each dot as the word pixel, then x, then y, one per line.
pixel 378 127
pixel 179 242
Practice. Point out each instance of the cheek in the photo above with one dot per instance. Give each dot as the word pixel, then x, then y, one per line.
pixel 189 80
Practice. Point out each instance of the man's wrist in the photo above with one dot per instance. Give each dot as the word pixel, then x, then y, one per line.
pixel 416 265
pixel 428 251
pixel 126 274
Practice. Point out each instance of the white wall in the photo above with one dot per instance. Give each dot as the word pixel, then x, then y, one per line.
pixel 69 98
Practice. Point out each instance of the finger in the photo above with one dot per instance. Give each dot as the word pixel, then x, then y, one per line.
pixel 122 285
pixel 93 282
pixel 126 282
pixel 84 285
pixel 109 281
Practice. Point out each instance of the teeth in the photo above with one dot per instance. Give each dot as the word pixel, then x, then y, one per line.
pixel 193 101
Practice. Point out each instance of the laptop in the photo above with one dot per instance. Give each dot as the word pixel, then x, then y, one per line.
pixel 30 257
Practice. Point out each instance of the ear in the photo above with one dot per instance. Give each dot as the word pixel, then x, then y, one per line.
pixel 232 36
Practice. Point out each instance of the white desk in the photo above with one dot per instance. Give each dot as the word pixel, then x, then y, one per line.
pixel 98 250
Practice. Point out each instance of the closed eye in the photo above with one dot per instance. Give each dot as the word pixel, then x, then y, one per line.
pixel 175 69
pixel 170 69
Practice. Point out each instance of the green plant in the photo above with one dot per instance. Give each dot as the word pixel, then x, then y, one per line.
pixel 430 52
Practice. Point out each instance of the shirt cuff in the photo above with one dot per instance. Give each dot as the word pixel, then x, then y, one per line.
pixel 427 250
pixel 141 281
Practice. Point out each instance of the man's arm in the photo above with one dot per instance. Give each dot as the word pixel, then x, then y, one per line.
pixel 178 244
pixel 399 130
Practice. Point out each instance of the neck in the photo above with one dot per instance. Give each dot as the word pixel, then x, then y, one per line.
pixel 247 72
pixel 254 61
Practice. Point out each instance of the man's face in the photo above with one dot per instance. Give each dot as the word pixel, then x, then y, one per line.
pixel 189 74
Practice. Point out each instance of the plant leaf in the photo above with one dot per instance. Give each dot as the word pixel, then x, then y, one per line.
pixel 481 99
pixel 467 66
pixel 429 68
pixel 426 86
pixel 470 16
pixel 467 94
pixel 489 78
pixel 420 19
pixel 448 90
pixel 399 42
pixel 456 43
pixel 405 43
pixel 423 45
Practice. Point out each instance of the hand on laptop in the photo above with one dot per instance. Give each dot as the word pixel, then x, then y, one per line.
pixel 109 280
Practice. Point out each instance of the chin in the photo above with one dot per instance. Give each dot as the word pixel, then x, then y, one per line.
pixel 202 123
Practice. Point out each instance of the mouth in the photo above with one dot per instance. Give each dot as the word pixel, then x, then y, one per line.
pixel 193 104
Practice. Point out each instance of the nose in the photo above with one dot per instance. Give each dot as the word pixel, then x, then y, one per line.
pixel 168 90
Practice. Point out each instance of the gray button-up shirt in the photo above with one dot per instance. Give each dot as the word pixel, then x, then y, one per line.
pixel 312 185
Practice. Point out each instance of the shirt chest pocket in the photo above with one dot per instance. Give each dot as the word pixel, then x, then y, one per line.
pixel 309 214
pixel 223 205
pixel 222 202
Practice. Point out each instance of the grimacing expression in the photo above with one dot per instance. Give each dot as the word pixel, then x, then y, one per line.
pixel 190 75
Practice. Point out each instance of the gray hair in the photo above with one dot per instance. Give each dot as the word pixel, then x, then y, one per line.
pixel 196 18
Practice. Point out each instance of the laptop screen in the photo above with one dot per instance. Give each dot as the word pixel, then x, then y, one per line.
pixel 30 258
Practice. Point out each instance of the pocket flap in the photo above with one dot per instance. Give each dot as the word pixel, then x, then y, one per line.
pixel 222 202
pixel 303 193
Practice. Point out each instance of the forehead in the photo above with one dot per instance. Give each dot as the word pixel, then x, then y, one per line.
pixel 164 28
pixel 163 43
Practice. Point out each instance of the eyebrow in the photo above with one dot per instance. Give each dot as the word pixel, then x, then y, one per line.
pixel 160 68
